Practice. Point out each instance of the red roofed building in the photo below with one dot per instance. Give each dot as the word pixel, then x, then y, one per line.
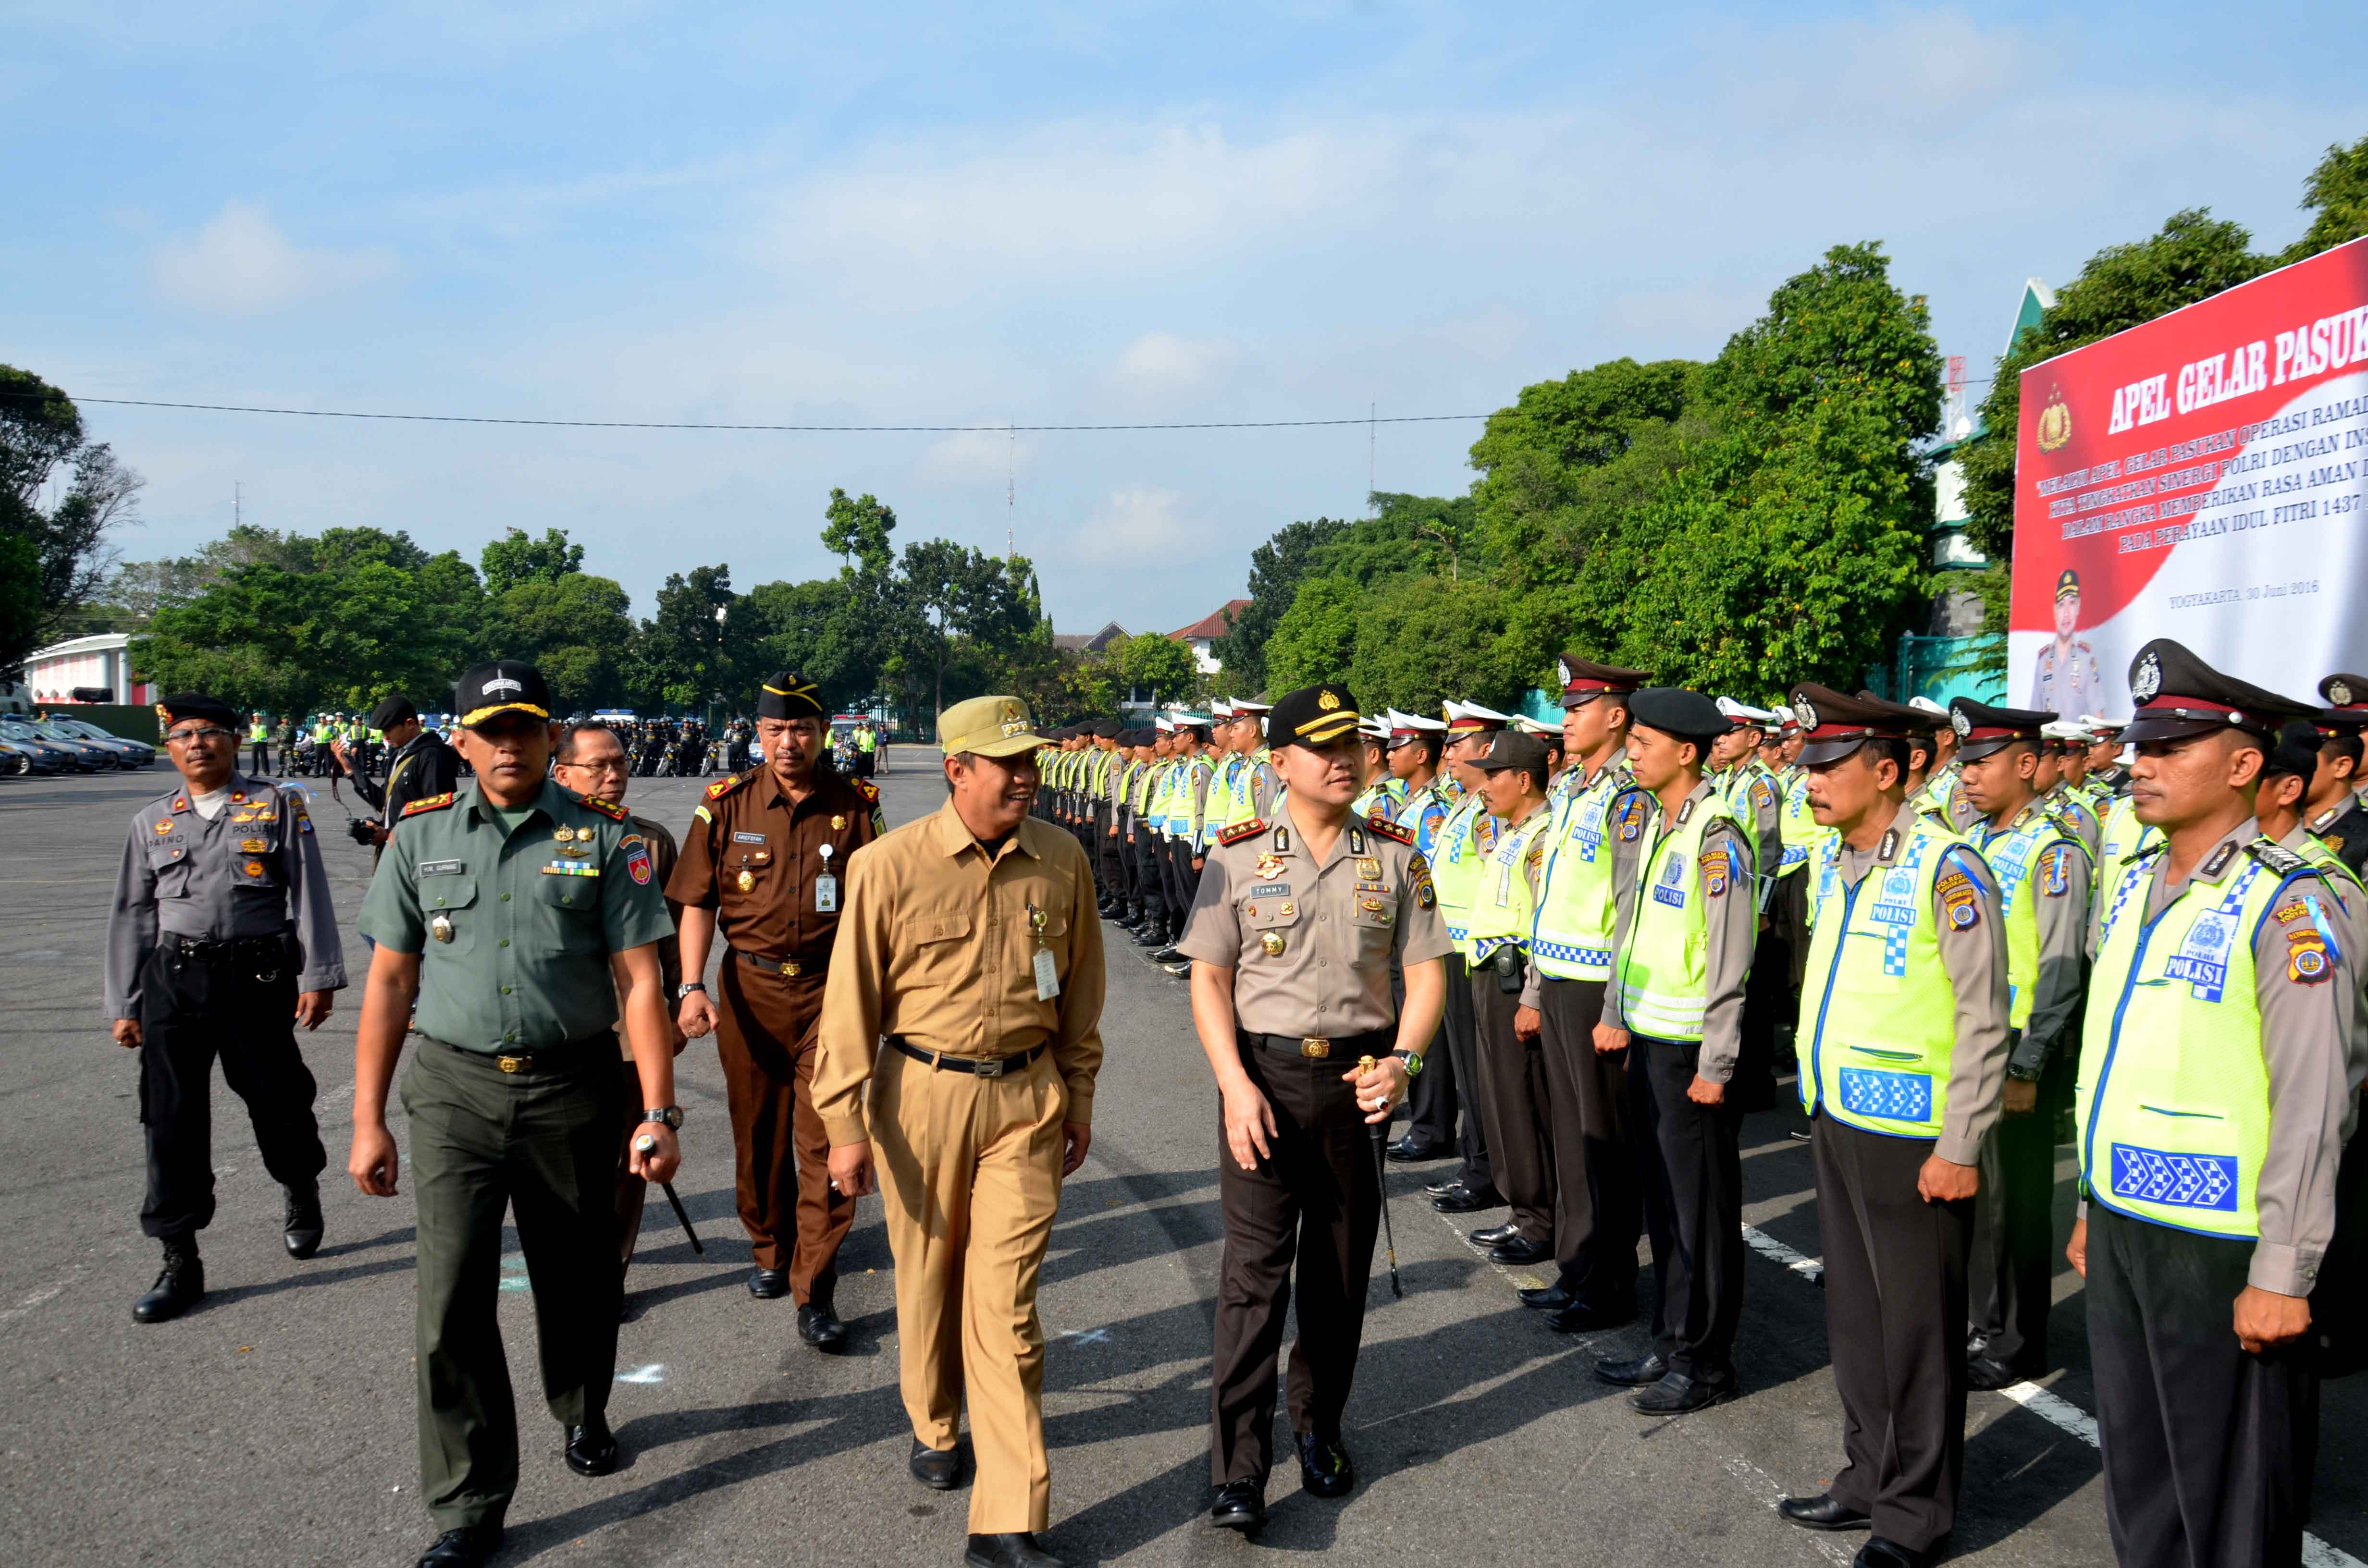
pixel 1207 629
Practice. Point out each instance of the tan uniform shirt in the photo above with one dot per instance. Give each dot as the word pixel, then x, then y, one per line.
pixel 937 946
pixel 1310 942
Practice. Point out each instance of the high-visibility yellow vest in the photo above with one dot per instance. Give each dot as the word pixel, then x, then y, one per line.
pixel 1878 1017
pixel 1183 808
pixel 1797 828
pixel 1464 839
pixel 1502 909
pixel 1425 812
pixel 2173 1100
pixel 2013 854
pixel 2121 840
pixel 1572 937
pixel 1664 971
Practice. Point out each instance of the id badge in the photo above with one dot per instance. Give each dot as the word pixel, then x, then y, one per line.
pixel 826 894
pixel 1048 978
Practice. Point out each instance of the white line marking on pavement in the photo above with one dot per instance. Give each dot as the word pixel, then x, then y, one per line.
pixel 2048 1405
pixel 653 1373
pixel 1088 1335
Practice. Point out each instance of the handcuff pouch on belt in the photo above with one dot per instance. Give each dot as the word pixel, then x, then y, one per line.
pixel 1511 965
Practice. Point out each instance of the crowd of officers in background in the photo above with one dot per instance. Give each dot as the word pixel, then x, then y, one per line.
pixel 1982 932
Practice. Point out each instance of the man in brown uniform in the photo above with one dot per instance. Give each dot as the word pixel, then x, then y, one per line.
pixel 766 857
pixel 590 761
pixel 971 944
pixel 1291 934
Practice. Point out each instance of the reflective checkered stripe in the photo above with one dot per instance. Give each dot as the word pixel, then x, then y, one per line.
pixel 1572 937
pixel 1664 973
pixel 1502 909
pixel 2173 1102
pixel 1797 829
pixel 1455 868
pixel 1878 1017
pixel 2013 855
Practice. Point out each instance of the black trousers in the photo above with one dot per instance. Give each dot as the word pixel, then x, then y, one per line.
pixel 1462 1031
pixel 1183 882
pixel 1431 1103
pixel 1691 1172
pixel 259 757
pixel 1894 1299
pixel 1598 1215
pixel 2014 1253
pixel 1110 854
pixel 1148 887
pixel 1766 1001
pixel 191 1013
pixel 1513 1104
pixel 542 1146
pixel 1312 1207
pixel 2208 1450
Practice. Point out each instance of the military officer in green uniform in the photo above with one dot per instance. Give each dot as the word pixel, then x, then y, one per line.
pixel 506 908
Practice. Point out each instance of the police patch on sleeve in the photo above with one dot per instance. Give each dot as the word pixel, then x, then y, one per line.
pixel 1716 867
pixel 1419 879
pixel 1961 901
pixel 2056 872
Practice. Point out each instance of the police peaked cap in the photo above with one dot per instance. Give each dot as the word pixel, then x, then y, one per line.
pixel 1584 680
pixel 1673 711
pixel 2347 705
pixel 2178 695
pixel 1836 725
pixel 1313 716
pixel 1983 728
pixel 196 704
pixel 788 694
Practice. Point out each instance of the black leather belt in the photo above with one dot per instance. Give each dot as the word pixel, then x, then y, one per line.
pixel 977 1066
pixel 791 967
pixel 1310 1048
pixel 236 950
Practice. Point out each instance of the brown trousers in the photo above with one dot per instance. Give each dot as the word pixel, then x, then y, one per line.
pixel 970 1176
pixel 1315 1203
pixel 764 1031
pixel 1513 1106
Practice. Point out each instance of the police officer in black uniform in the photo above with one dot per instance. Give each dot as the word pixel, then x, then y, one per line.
pixel 418 765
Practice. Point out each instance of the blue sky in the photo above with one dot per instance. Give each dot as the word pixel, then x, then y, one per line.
pixel 1047 213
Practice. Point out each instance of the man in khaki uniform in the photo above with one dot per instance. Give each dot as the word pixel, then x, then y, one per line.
pixel 1291 934
pixel 969 941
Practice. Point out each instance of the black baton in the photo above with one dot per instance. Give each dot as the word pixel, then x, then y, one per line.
pixel 1380 1130
pixel 644 1144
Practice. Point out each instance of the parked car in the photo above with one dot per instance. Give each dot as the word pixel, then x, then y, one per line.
pixel 40 755
pixel 128 753
pixel 17 761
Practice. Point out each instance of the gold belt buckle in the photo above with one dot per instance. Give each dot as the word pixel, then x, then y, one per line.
pixel 510 1063
pixel 789 968
pixel 1315 1049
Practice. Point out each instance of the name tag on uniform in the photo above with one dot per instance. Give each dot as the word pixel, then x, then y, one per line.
pixel 748 838
pixel 1271 890
pixel 1048 978
pixel 442 868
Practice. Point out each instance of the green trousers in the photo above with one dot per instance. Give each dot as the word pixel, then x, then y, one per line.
pixel 482 1142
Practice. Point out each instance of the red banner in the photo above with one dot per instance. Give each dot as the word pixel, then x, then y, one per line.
pixel 2199 477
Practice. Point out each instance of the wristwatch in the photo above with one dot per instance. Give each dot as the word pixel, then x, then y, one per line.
pixel 1413 1059
pixel 687 987
pixel 671 1116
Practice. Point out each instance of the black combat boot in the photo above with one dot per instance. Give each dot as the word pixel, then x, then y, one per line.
pixel 178 1288
pixel 301 1228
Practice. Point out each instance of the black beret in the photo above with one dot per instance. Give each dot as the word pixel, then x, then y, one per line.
pixel 195 705
pixel 391 712
pixel 1673 711
pixel 1513 748
pixel 1835 725
pixel 1312 716
pixel 2295 753
pixel 1106 730
pixel 2178 695
pixel 788 694
pixel 1983 728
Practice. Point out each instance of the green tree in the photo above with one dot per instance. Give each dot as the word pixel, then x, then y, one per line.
pixel 2337 191
pixel 1276 568
pixel 677 658
pixel 514 557
pixel 948 595
pixel 1317 638
pixel 857 532
pixel 1160 667
pixel 41 437
pixel 1419 641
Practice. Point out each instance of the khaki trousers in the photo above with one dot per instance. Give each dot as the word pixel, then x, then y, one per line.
pixel 970 1175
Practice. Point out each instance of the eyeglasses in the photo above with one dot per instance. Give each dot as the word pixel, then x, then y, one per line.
pixel 606 765
pixel 207 732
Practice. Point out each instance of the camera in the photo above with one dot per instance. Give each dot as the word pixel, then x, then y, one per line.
pixel 358 830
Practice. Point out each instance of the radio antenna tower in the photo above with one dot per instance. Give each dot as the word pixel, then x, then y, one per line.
pixel 1011 489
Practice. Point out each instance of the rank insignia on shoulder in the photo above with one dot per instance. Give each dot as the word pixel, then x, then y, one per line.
pixel 1382 828
pixel 427 803
pixel 607 809
pixel 2220 857
pixel 723 787
pixel 865 788
pixel 1240 831
pixel 2273 856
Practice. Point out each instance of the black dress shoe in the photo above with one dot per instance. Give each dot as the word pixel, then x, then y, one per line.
pixel 1546 1298
pixel 1584 1316
pixel 1489 1235
pixel 1240 1505
pixel 1406 1151
pixel 1987 1373
pixel 820 1327
pixel 1017 1550
pixel 180 1284
pixel 592 1447
pixel 1646 1368
pixel 939 1469
pixel 1462 1199
pixel 768 1284
pixel 1451 1179
pixel 301 1228
pixel 1822 1513
pixel 464 1548
pixel 1677 1392
pixel 1880 1553
pixel 1166 955
pixel 1323 1466
pixel 1519 1251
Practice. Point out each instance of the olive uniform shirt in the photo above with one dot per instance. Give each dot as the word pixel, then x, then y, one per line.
pixel 663 855
pixel 753 856
pixel 1310 942
pixel 937 946
pixel 254 870
pixel 513 928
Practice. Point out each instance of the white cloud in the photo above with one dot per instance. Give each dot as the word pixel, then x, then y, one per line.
pixel 1163 361
pixel 240 264
pixel 1131 525
pixel 968 457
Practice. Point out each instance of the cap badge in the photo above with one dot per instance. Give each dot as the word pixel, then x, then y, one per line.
pixel 2340 693
pixel 1326 701
pixel 1562 668
pixel 2148 680
pixel 1807 713
pixel 1959 722
pixel 502 683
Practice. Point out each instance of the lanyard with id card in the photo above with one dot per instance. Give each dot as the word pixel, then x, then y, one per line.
pixel 1048 978
pixel 825 886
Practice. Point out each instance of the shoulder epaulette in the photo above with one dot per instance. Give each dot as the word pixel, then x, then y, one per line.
pixel 1389 830
pixel 427 803
pixel 2276 857
pixel 865 788
pixel 1242 830
pixel 607 809
pixel 723 787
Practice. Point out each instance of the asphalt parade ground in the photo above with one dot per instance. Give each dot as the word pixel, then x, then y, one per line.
pixel 274 1423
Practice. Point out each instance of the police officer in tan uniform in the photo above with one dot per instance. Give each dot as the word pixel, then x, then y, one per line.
pixel 1291 934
